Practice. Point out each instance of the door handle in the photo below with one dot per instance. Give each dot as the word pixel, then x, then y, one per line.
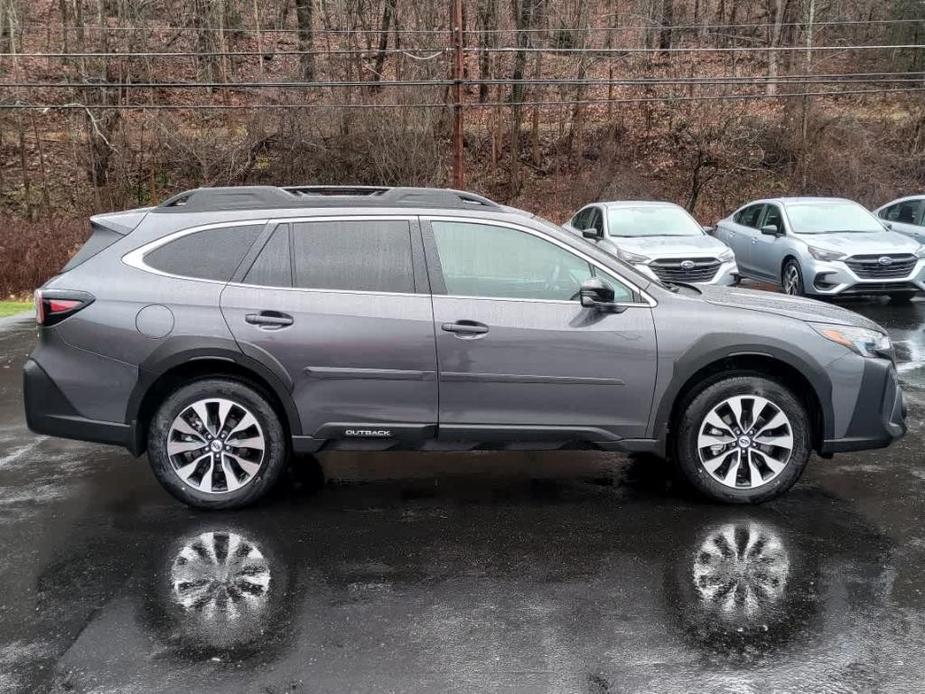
pixel 464 328
pixel 269 320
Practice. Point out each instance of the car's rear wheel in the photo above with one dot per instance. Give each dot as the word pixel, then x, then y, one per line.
pixel 743 439
pixel 217 444
pixel 792 279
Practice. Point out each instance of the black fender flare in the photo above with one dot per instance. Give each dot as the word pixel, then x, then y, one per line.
pixel 714 349
pixel 178 351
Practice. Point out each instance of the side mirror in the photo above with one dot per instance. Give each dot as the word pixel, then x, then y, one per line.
pixel 597 294
pixel 709 230
pixel 770 230
pixel 591 233
pixel 887 225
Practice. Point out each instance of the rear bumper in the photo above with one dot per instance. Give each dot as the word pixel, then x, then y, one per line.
pixel 49 412
pixel 879 416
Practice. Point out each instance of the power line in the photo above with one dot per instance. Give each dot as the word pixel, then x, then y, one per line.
pixel 491 104
pixel 471 49
pixel 689 49
pixel 832 78
pixel 203 54
pixel 362 30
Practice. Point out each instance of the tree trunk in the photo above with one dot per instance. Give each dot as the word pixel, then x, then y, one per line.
pixel 486 17
pixel 773 44
pixel 388 11
pixel 304 12
pixel 664 35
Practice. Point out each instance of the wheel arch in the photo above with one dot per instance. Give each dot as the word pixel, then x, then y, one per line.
pixel 173 365
pixel 814 390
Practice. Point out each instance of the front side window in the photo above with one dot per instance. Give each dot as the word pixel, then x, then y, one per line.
pixel 210 254
pixel 908 212
pixel 358 255
pixel 596 221
pixel 773 217
pixel 483 260
pixel 831 218
pixel 749 216
pixel 651 221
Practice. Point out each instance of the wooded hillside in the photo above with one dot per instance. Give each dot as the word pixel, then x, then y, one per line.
pixel 108 104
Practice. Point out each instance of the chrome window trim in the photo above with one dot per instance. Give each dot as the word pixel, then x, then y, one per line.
pixel 648 300
pixel 135 258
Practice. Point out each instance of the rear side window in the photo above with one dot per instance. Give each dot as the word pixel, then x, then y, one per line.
pixel 211 254
pixel 358 255
pixel 273 267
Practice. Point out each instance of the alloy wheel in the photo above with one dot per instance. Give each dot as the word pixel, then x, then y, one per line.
pixel 216 446
pixel 745 442
pixel 792 280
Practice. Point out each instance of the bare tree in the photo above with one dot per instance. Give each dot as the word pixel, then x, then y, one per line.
pixel 304 9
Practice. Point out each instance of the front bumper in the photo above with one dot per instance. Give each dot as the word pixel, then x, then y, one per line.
pixel 49 412
pixel 879 415
pixel 727 274
pixel 834 277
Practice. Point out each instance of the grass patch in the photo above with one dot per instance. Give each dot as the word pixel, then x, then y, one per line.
pixel 11 308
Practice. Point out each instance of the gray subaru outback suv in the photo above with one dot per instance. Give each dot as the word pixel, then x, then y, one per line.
pixel 228 328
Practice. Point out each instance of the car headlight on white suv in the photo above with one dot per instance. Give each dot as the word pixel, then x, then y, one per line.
pixel 822 254
pixel 726 255
pixel 634 258
pixel 863 341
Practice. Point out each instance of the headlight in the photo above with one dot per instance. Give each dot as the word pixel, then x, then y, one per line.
pixel 727 255
pixel 920 252
pixel 867 343
pixel 822 254
pixel 631 257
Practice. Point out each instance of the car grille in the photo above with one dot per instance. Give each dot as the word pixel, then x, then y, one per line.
pixel 670 270
pixel 869 267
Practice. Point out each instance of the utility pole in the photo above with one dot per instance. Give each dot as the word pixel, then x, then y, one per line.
pixel 459 174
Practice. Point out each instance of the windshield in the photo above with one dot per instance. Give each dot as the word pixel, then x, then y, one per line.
pixel 651 221
pixel 831 217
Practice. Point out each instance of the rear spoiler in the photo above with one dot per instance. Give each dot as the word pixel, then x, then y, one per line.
pixel 119 222
pixel 105 230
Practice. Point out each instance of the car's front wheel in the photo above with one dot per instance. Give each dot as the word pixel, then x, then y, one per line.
pixel 217 444
pixel 792 279
pixel 743 439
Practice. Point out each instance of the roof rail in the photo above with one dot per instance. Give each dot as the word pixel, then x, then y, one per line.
pixel 264 197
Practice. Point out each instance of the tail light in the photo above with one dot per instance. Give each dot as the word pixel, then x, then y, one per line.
pixel 54 305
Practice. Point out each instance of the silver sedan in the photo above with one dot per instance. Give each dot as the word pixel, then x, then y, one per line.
pixel 660 239
pixel 823 247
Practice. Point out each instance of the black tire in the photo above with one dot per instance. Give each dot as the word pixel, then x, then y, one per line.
pixel 901 297
pixel 796 287
pixel 272 464
pixel 699 405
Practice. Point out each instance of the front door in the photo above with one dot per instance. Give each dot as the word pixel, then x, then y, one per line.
pixel 518 356
pixel 342 306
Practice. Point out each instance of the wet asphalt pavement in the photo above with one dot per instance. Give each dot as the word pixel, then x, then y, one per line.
pixel 553 572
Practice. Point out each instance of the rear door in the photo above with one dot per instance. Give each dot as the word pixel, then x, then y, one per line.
pixel 518 356
pixel 341 304
pixel 741 233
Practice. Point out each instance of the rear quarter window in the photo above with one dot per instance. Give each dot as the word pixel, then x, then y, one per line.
pixel 211 254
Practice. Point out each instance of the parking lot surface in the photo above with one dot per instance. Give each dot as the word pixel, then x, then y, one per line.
pixel 478 572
